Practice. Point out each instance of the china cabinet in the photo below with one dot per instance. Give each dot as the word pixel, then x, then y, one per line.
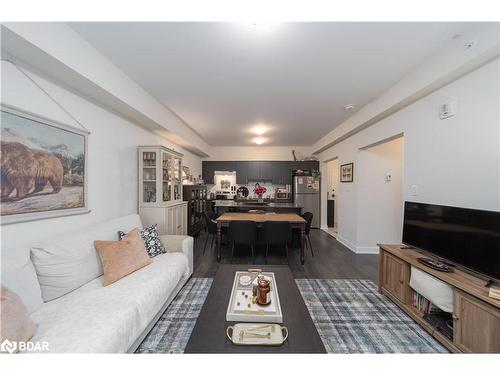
pixel 160 189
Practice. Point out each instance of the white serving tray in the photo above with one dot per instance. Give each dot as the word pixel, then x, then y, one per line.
pixel 253 313
pixel 251 334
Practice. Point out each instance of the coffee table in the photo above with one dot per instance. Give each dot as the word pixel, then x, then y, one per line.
pixel 209 333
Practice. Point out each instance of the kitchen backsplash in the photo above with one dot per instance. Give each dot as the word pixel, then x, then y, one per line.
pixel 250 186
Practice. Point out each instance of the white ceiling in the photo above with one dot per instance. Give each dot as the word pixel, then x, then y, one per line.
pixel 224 78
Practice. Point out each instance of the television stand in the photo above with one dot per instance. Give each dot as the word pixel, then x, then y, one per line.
pixel 476 316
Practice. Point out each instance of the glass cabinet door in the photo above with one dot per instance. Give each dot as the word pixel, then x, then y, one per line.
pixel 149 160
pixel 166 170
pixel 177 178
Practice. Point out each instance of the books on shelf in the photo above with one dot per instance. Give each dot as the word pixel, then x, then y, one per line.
pixel 422 304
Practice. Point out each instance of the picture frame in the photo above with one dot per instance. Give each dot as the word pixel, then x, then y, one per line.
pixel 347 172
pixel 44 170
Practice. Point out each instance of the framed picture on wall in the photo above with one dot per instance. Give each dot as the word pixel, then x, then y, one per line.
pixel 347 172
pixel 43 168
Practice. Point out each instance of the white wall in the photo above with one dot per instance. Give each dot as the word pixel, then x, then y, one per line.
pixel 380 202
pixel 112 155
pixel 453 162
pixel 256 153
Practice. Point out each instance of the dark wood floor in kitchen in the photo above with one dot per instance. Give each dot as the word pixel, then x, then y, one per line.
pixel 331 260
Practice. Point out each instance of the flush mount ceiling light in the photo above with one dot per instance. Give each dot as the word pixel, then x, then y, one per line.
pixel 259 129
pixel 259 140
pixel 348 107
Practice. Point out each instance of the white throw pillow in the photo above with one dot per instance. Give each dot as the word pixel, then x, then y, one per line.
pixel 65 266
pixel 18 274
pixel 68 263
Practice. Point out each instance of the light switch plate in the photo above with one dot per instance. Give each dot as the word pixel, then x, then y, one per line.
pixel 414 190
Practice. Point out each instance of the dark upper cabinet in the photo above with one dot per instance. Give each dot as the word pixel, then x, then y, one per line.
pixel 242 172
pixel 277 172
pixel 253 170
pixel 225 165
pixel 266 170
pixel 207 171
pixel 281 173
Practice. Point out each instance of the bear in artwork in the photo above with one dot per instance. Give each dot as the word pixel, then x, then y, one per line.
pixel 28 170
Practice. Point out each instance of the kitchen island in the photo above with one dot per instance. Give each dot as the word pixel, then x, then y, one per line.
pixel 245 206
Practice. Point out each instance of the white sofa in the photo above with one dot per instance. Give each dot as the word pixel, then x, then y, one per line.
pixel 89 317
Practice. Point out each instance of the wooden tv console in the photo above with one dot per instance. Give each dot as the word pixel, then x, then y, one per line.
pixel 476 317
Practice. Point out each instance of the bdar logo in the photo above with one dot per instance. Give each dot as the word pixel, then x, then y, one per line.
pixel 8 346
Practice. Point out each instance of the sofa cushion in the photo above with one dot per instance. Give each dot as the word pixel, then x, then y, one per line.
pixel 72 261
pixel 16 325
pixel 121 258
pixel 97 319
pixel 18 274
pixel 151 240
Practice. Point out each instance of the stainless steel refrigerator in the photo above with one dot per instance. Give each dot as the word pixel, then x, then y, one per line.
pixel 306 194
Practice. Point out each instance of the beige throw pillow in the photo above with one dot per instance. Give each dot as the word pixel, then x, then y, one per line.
pixel 15 323
pixel 121 258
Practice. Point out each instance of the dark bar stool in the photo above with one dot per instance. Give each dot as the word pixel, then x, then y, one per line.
pixel 242 233
pixel 276 233
pixel 308 217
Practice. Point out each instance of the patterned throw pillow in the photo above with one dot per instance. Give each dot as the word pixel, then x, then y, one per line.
pixel 151 239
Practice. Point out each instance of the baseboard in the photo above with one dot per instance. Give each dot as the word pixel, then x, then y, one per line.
pixel 367 250
pixel 357 249
pixel 346 243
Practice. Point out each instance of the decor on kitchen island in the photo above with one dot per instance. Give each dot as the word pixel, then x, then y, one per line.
pixel 347 172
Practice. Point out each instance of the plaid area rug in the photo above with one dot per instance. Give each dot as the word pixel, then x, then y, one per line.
pixel 351 316
pixel 172 331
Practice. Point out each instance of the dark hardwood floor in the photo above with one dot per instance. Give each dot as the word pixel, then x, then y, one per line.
pixel 331 260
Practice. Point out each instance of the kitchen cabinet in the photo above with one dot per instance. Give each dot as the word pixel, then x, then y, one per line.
pixel 208 169
pixel 242 172
pixel 277 172
pixel 281 173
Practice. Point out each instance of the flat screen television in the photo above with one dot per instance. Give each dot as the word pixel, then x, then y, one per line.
pixel 464 237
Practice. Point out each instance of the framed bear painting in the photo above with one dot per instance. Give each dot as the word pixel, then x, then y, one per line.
pixel 43 168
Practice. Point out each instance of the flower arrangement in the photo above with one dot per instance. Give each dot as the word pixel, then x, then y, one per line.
pixel 259 190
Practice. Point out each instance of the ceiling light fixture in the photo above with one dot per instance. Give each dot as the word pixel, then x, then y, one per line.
pixel 259 140
pixel 348 107
pixel 259 130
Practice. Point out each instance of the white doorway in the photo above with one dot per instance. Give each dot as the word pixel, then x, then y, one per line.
pixel 332 181
pixel 380 194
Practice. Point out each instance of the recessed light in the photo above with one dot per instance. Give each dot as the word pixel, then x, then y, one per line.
pixel 348 107
pixel 259 140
